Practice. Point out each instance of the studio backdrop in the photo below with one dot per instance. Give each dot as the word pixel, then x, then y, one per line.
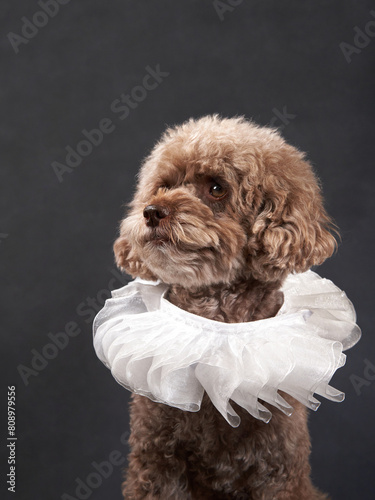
pixel 87 88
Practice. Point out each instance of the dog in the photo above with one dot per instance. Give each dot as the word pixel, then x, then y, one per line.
pixel 224 211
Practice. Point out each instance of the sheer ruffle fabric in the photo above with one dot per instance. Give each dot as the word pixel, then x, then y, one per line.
pixel 155 349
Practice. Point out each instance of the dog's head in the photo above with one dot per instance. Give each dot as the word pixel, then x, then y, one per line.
pixel 223 199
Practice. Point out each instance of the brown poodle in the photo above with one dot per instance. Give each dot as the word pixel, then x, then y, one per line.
pixel 223 212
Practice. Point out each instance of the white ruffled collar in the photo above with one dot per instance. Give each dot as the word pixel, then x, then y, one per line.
pixel 158 350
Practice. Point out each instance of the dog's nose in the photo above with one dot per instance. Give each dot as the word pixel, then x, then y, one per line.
pixel 154 213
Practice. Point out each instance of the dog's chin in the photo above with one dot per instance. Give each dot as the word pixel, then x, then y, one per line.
pixel 190 268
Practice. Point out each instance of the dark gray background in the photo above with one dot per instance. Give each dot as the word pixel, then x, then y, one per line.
pixel 264 55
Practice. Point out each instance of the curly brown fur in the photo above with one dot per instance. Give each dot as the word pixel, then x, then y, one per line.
pixel 224 210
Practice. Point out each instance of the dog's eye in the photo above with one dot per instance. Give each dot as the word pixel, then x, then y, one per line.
pixel 217 191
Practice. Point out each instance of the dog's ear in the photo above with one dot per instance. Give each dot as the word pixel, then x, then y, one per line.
pixel 292 230
pixel 127 260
